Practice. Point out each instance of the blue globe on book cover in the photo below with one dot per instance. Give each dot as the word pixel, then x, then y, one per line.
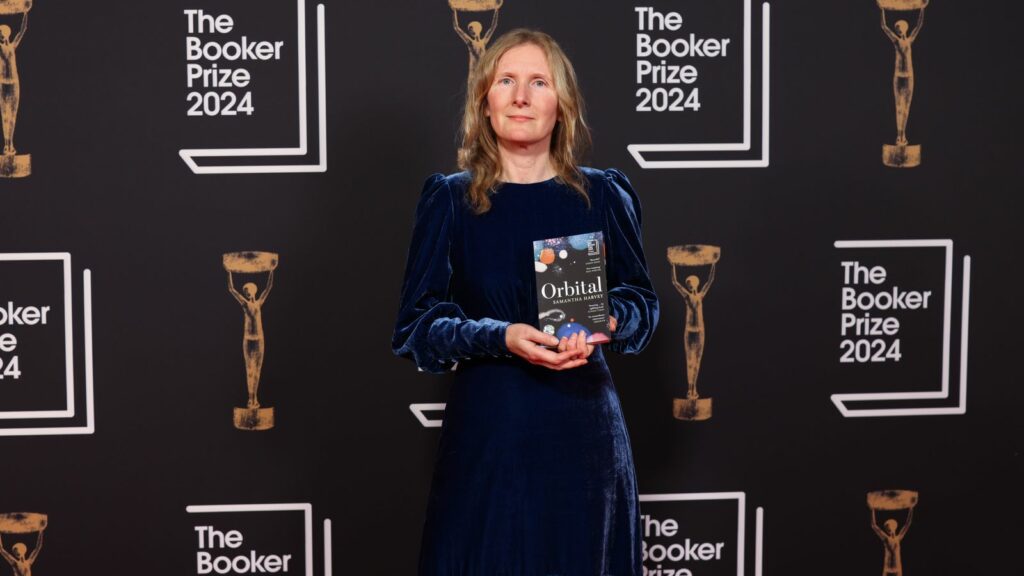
pixel 572 290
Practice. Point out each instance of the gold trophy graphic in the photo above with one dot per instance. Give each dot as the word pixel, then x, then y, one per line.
pixel 12 164
pixel 474 35
pixel 902 154
pixel 20 523
pixel 253 416
pixel 892 534
pixel 693 407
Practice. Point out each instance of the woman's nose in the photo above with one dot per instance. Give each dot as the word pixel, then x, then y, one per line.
pixel 521 96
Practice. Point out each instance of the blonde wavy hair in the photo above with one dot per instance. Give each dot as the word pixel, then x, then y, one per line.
pixel 569 141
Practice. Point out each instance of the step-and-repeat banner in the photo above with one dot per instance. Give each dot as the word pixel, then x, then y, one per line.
pixel 830 194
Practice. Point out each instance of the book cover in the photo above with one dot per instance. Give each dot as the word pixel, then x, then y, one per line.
pixel 572 292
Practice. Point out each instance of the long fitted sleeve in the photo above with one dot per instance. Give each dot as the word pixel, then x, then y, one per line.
pixel 432 330
pixel 632 299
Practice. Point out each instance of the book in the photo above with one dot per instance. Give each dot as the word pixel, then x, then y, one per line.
pixel 572 292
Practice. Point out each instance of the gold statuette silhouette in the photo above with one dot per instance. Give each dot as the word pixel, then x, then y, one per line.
pixel 253 416
pixel 892 533
pixel 474 35
pixel 20 523
pixel 902 154
pixel 693 407
pixel 12 164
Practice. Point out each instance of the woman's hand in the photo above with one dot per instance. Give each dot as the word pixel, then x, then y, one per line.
pixel 578 342
pixel 529 344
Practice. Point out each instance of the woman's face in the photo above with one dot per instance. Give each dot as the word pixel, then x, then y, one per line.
pixel 522 103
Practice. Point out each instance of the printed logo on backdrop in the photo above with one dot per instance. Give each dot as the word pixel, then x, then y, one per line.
pixel 429 414
pixel 902 35
pixel 695 102
pixel 891 514
pixel 39 391
pixel 246 81
pixel 240 539
pixel 13 24
pixel 21 540
pixel 896 328
pixel 698 534
pixel 468 18
pixel 691 258
pixel 252 267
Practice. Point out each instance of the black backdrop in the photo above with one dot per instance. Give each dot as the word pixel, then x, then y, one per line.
pixel 103 115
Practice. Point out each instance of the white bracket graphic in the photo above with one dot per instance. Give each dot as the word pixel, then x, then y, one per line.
pixel 419 409
pixel 190 154
pixel 307 514
pixel 841 400
pixel 637 150
pixel 69 350
pixel 741 522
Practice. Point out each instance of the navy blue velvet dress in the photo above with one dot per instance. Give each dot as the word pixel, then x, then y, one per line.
pixel 534 473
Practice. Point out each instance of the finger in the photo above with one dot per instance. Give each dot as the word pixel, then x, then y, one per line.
pixel 571 364
pixel 568 344
pixel 575 363
pixel 612 323
pixel 581 344
pixel 545 356
pixel 563 362
pixel 573 347
pixel 538 337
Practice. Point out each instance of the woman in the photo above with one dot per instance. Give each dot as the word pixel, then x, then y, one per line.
pixel 534 473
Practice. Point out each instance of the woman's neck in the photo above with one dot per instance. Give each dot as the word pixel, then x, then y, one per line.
pixel 525 164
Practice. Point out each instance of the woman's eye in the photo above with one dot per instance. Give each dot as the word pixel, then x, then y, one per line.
pixel 539 82
pixel 505 82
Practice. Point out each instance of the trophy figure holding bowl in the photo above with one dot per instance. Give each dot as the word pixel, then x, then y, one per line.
pixel 901 154
pixel 473 34
pixel 892 501
pixel 253 416
pixel 693 407
pixel 21 524
pixel 12 164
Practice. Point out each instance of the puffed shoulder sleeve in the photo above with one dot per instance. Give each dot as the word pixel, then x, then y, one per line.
pixel 432 330
pixel 631 296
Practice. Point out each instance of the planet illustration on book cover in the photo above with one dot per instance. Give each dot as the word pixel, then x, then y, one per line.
pixel 570 328
pixel 580 241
